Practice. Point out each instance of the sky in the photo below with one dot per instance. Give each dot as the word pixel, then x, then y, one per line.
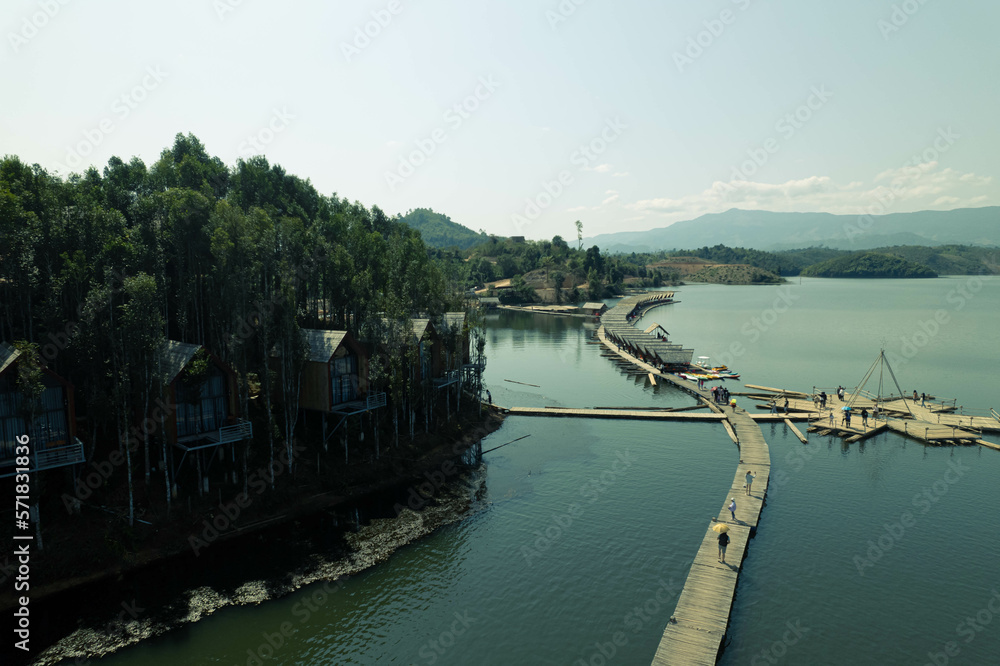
pixel 520 117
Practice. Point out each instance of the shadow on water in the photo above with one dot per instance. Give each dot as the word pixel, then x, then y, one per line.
pixel 169 596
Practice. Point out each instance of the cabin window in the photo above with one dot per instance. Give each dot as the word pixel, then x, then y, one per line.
pixel 425 362
pixel 202 407
pixel 11 423
pixel 344 379
pixel 51 427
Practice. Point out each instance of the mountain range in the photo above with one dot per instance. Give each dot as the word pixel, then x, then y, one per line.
pixel 767 230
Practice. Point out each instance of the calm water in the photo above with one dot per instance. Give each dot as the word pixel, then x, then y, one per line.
pixel 866 554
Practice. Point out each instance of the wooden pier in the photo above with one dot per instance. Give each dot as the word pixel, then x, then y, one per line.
pixel 695 633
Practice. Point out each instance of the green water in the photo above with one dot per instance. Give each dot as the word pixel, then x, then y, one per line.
pixel 584 529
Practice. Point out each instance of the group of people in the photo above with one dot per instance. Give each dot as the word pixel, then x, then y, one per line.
pixel 720 394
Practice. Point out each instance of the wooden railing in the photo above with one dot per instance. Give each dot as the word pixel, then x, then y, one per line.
pixel 44 458
pixel 241 430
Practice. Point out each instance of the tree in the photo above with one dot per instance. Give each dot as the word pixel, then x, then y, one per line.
pixel 579 235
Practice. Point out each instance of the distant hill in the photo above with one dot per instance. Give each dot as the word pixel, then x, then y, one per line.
pixel 735 274
pixel 438 230
pixel 766 230
pixel 869 265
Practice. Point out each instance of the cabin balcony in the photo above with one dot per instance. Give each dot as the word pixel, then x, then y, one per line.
pixel 42 459
pixel 447 379
pixel 373 400
pixel 239 431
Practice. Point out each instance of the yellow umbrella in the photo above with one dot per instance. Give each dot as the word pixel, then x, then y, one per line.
pixel 720 528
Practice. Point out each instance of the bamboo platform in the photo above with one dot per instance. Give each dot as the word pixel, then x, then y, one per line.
pixel 927 424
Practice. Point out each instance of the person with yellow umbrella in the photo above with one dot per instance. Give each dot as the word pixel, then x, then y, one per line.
pixel 722 528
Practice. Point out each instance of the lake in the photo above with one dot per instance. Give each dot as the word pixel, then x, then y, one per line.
pixel 873 553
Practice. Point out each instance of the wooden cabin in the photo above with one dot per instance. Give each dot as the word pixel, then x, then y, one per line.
pixel 52 435
pixel 595 309
pixel 430 349
pixel 489 302
pixel 202 393
pixel 336 370
pixel 453 323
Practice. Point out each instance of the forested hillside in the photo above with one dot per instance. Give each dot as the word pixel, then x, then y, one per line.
pixel 98 270
pixel 438 230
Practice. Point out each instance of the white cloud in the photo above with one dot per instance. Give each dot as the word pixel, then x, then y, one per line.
pixel 904 189
pixel 613 198
pixel 620 174
pixel 600 168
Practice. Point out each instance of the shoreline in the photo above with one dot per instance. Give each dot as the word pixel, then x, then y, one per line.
pixel 307 506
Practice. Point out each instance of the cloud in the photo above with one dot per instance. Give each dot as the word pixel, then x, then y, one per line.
pixel 904 189
pixel 620 174
pixel 613 198
pixel 600 168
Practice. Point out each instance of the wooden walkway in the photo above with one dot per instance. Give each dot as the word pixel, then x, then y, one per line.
pixel 695 633
pixel 647 414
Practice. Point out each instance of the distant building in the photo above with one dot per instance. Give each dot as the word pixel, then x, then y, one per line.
pixel 596 309
pixel 489 302
pixel 53 442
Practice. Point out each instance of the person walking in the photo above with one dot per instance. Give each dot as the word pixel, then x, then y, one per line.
pixel 923 399
pixel 847 415
pixel 864 416
pixel 831 418
pixel 723 542
pixel 786 405
pixel 750 477
pixel 489 397
pixel 732 507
